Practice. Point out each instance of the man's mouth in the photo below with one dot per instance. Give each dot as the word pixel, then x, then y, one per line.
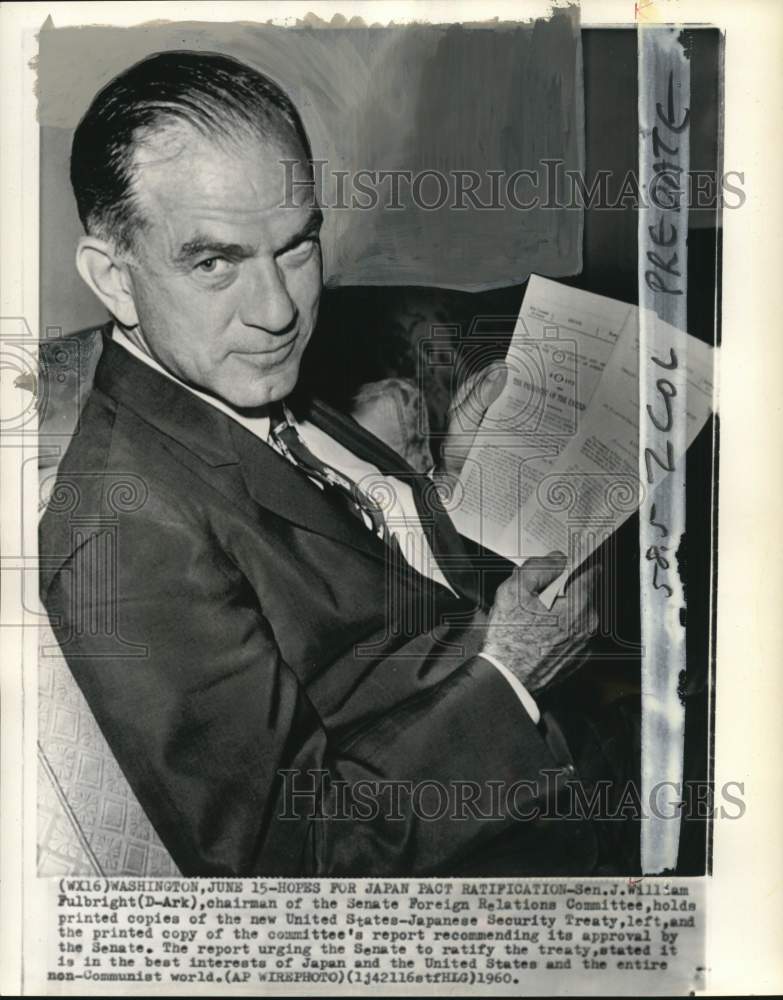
pixel 275 355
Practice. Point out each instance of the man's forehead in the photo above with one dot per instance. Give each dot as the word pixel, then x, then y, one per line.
pixel 179 173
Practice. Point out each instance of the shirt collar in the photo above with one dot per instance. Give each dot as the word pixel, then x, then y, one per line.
pixel 256 425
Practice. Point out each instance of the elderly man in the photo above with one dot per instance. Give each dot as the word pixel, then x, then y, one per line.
pixel 302 667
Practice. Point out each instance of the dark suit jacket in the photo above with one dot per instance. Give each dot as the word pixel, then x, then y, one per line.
pixel 228 621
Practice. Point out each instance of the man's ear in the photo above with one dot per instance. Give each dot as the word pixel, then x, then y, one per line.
pixel 107 275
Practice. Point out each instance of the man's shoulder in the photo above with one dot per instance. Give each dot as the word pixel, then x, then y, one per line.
pixel 112 452
pixel 117 471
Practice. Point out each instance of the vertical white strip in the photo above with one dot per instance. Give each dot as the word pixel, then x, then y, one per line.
pixel 18 472
pixel 664 127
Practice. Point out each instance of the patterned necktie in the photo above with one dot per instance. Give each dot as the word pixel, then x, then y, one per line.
pixel 285 437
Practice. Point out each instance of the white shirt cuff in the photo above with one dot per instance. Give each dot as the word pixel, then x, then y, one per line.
pixel 520 690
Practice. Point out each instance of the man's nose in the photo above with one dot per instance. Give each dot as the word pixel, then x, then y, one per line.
pixel 268 305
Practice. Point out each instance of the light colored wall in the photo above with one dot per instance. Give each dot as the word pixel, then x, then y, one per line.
pixel 420 97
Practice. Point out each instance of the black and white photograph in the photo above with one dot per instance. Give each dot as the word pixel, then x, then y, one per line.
pixel 371 484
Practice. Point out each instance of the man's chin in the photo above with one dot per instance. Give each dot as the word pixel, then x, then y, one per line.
pixel 250 392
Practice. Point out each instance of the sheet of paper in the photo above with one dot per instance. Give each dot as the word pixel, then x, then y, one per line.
pixel 594 485
pixel 566 475
pixel 561 344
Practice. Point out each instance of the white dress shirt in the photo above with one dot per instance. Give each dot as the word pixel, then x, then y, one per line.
pixel 399 507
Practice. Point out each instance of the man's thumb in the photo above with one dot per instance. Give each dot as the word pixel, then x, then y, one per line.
pixel 490 384
pixel 476 395
pixel 539 571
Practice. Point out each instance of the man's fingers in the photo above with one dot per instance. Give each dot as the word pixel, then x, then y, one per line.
pixel 582 587
pixel 585 618
pixel 579 601
pixel 575 638
pixel 475 396
pixel 559 661
pixel 539 572
pixel 466 412
pixel 566 665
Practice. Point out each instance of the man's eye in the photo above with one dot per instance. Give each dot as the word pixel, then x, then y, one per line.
pixel 303 249
pixel 212 265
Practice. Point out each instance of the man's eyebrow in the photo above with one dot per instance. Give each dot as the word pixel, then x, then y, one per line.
pixel 204 246
pixel 200 246
pixel 309 229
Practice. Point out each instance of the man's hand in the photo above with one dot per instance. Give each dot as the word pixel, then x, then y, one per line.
pixel 471 401
pixel 536 645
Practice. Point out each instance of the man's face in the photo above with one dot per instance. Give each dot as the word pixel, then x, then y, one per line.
pixel 226 276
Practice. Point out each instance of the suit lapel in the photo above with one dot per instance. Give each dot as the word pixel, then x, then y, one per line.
pixel 246 465
pixel 274 483
pixel 238 463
